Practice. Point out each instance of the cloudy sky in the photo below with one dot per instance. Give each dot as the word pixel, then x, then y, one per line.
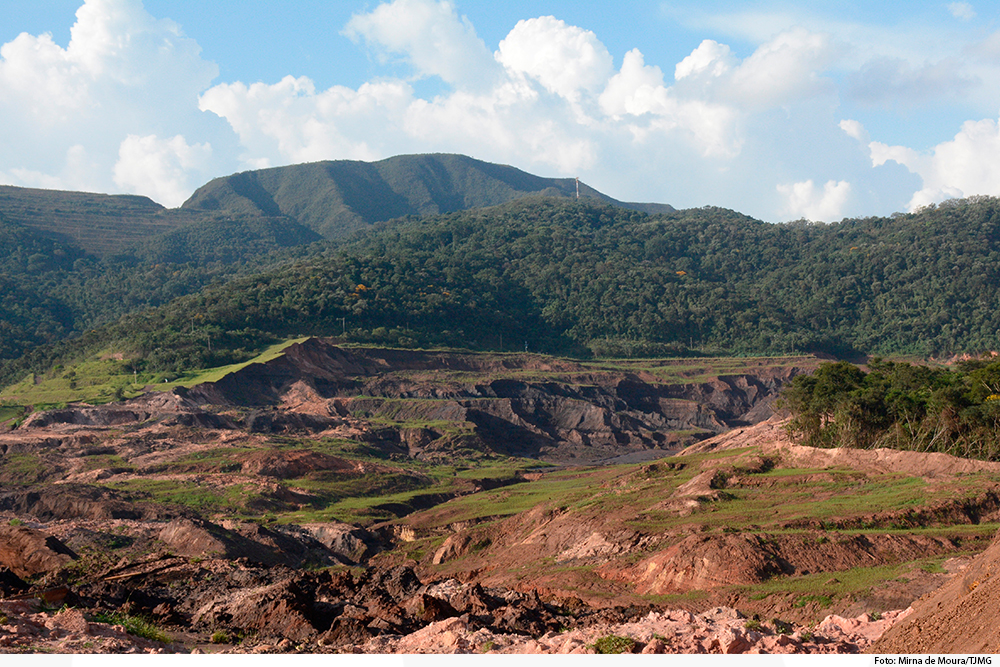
pixel 781 110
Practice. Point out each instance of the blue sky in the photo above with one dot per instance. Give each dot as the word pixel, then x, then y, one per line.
pixel 781 110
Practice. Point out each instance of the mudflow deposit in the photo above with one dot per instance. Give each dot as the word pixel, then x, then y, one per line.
pixel 373 501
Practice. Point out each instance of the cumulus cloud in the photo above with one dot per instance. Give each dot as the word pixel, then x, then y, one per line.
pixel 290 121
pixel 565 59
pixel 159 168
pixel 965 166
pixel 429 35
pixel 786 69
pixel 805 200
pixel 67 110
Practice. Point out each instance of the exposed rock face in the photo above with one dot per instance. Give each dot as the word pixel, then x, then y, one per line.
pixel 583 415
pixel 68 501
pixel 578 415
pixel 28 552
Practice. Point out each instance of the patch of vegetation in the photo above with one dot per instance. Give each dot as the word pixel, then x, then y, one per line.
pixel 10 412
pixel 233 499
pixel 900 406
pixel 613 645
pixel 821 600
pixel 134 625
pixel 22 469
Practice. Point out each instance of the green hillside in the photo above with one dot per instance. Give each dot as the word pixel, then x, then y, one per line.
pixel 582 278
pixel 335 198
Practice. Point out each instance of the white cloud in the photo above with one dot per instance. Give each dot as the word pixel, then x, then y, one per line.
pixel 130 93
pixel 855 130
pixel 159 168
pixel 785 69
pixel 965 166
pixel 290 121
pixel 66 110
pixel 565 59
pixel 962 10
pixel 710 58
pixel 805 200
pixel 430 35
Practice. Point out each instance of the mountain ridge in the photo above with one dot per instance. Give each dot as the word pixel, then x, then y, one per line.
pixel 348 195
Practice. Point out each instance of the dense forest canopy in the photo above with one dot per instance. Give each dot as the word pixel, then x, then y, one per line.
pixel 556 275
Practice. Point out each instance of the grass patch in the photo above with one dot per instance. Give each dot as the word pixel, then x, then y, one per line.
pixel 613 645
pixel 21 469
pixel 234 498
pixel 10 413
pixel 105 378
pixel 134 625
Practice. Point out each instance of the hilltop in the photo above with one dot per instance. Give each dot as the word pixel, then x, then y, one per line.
pixel 335 198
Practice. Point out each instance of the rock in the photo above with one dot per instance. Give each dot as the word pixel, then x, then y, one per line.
pixel 733 641
pixel 71 620
pixel 428 608
pixel 345 631
pixel 28 552
pixel 351 543
pixel 278 610
pixel 654 646
pixel 189 538
pixel 453 547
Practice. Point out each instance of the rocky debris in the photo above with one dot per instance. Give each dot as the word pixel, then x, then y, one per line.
pixel 383 610
pixel 960 617
pixel 28 552
pixel 721 630
pixel 583 415
pixel 25 628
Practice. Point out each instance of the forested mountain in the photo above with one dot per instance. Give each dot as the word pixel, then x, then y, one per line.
pixel 584 278
pixel 335 198
pixel 70 261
